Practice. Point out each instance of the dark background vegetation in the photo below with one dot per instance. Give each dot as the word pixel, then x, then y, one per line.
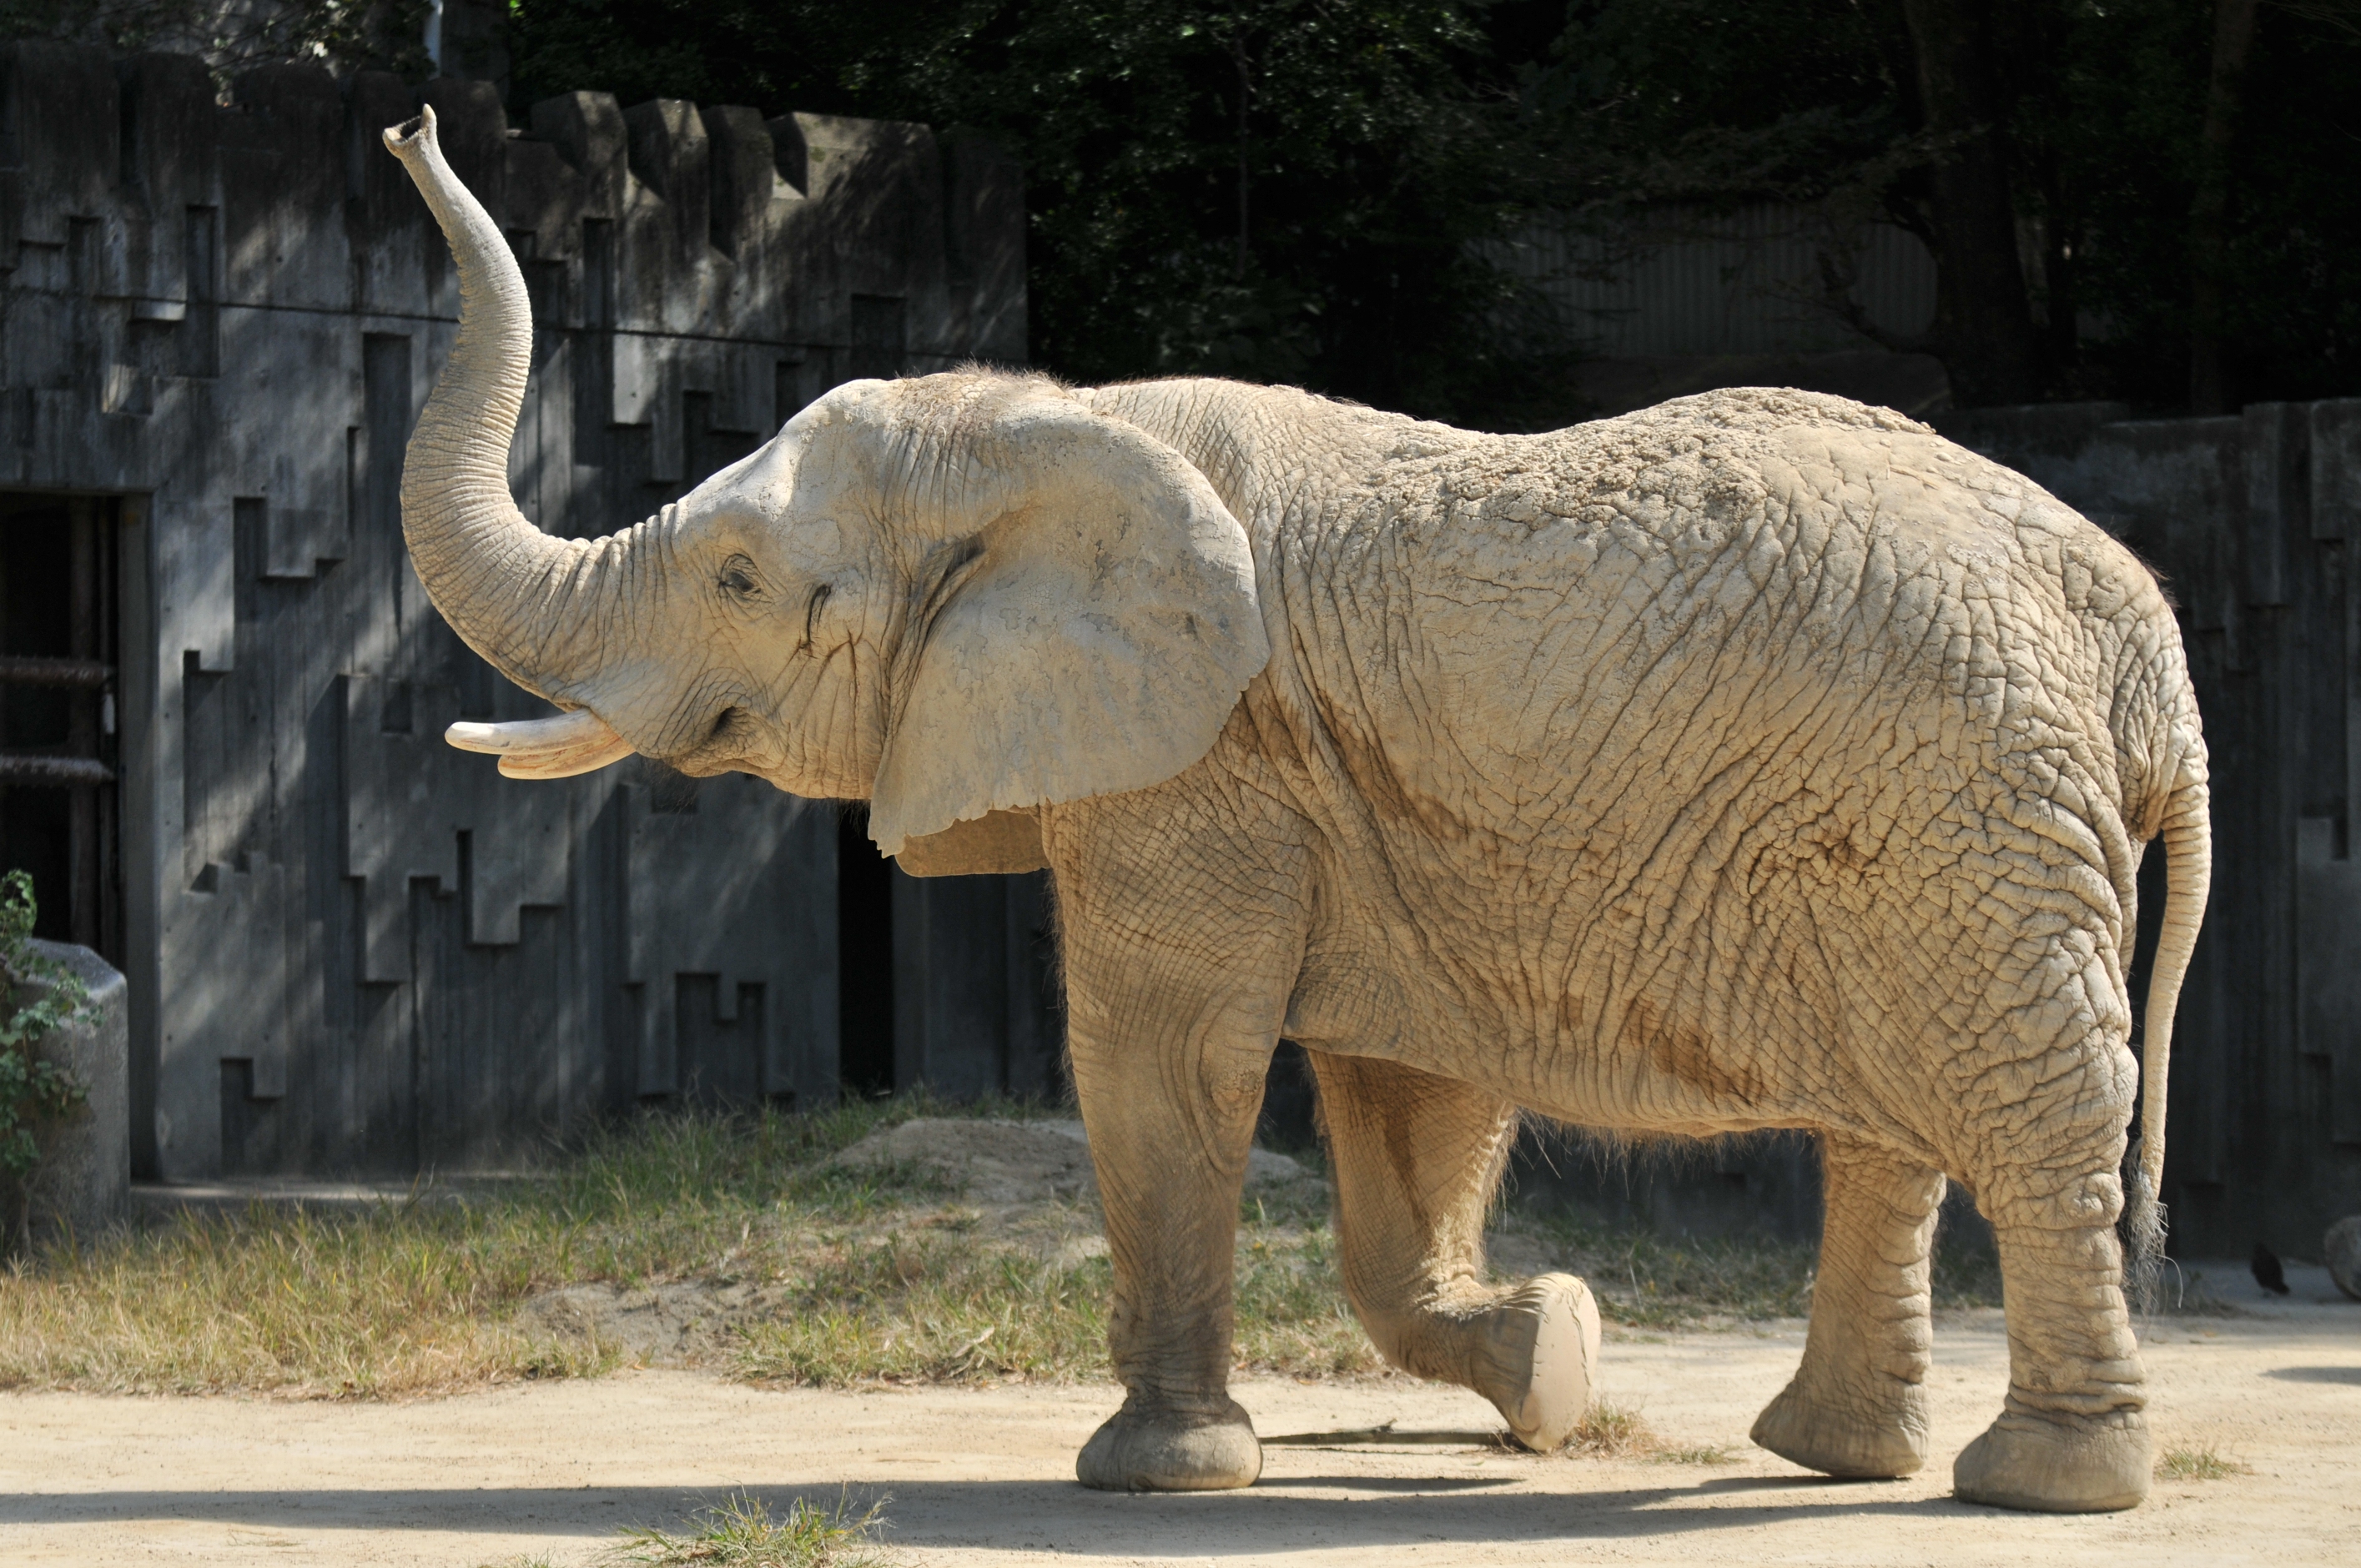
pixel 2158 200
pixel 2152 199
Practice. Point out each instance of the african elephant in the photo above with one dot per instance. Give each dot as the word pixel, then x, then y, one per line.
pixel 1758 761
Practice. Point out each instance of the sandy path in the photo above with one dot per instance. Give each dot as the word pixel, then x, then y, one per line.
pixel 984 1476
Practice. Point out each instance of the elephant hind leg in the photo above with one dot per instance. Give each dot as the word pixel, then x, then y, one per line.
pixel 2072 1437
pixel 1856 1405
pixel 1417 1160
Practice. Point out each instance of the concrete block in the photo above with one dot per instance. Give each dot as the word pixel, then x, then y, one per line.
pixel 2341 1250
pixel 745 172
pixel 82 1185
pixel 2335 454
pixel 587 129
pixel 672 156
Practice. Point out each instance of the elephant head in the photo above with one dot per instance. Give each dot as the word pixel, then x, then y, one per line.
pixel 955 595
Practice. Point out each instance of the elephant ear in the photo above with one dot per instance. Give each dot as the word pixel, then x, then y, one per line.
pixel 1091 635
pixel 998 843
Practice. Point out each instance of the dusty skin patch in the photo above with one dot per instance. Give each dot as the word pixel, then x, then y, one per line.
pixel 547 1472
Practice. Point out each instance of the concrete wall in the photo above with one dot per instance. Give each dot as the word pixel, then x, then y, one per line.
pixel 350 948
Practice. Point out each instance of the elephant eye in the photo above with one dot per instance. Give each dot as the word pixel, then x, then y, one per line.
pixel 737 578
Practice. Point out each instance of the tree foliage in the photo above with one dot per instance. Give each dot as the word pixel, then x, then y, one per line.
pixel 1301 190
pixel 1282 189
pixel 1381 139
pixel 2099 108
pixel 234 35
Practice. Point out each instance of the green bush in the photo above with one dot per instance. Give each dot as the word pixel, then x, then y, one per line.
pixel 31 1091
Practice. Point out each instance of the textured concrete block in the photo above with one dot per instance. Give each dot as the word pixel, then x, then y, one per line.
pixel 84 1183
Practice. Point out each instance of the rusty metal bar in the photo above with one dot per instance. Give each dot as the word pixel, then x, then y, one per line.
pixel 51 772
pixel 27 670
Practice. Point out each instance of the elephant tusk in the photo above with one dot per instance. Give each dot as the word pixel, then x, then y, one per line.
pixel 559 748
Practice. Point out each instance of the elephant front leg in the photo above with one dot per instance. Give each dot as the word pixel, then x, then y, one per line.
pixel 1180 949
pixel 1856 1405
pixel 1417 1158
pixel 1170 1150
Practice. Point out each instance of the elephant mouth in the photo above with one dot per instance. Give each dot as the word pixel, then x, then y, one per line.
pixel 733 742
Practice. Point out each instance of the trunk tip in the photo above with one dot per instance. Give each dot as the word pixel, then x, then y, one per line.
pixel 412 134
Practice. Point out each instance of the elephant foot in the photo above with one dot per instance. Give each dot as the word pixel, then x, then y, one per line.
pixel 1537 1359
pixel 2056 1464
pixel 1163 1450
pixel 1864 1440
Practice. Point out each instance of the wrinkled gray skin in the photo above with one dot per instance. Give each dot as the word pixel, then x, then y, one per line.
pixel 1758 761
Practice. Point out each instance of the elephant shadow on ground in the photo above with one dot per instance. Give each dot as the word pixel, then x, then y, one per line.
pixel 1277 1515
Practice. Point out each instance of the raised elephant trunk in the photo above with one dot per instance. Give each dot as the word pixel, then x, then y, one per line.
pixel 514 593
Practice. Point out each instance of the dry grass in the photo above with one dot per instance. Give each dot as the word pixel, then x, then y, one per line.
pixel 863 1277
pixel 2198 1465
pixel 1649 1282
pixel 1703 1453
pixel 872 1276
pixel 420 1297
pixel 1609 1431
pixel 742 1533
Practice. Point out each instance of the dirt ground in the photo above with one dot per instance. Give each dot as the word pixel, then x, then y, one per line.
pixel 984 1476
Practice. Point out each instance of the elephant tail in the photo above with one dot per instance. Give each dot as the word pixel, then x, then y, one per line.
pixel 2187 834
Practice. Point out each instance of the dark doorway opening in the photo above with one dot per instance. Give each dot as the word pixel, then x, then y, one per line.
pixel 59 745
pixel 864 961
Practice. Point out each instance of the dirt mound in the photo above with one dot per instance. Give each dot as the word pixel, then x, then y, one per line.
pixel 676 1323
pixel 1002 1165
pixel 1015 1188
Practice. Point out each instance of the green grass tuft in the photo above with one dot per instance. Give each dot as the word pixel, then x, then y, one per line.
pixel 2197 1464
pixel 742 1533
pixel 1704 1453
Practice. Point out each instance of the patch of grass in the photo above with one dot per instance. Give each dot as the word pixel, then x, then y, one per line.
pixel 840 1277
pixel 743 1533
pixel 950 1307
pixel 2197 1464
pixel 1609 1431
pixel 1704 1453
pixel 420 1297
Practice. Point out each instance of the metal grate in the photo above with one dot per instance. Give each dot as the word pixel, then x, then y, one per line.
pixel 58 719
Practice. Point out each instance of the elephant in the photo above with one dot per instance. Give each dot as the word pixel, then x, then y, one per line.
pixel 1757 760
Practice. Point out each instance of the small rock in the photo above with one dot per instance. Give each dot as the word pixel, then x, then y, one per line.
pixel 2342 1246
